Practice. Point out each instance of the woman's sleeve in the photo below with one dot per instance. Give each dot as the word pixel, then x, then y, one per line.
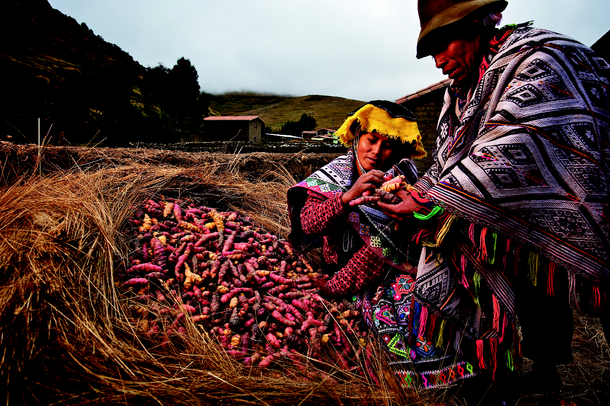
pixel 320 216
pixel 362 268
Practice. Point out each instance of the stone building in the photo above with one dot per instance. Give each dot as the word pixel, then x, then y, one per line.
pixel 426 104
pixel 233 128
pixel 602 47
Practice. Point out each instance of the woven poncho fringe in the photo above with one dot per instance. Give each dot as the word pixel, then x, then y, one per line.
pixel 525 169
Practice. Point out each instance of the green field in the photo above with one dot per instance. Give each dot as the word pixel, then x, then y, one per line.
pixel 275 110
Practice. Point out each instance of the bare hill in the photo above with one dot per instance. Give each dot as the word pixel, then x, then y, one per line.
pixel 275 110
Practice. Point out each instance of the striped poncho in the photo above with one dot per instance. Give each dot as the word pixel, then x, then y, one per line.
pixel 523 167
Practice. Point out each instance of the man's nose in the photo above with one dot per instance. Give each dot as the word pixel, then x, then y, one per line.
pixel 439 61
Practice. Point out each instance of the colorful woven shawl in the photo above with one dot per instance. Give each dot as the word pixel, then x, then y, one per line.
pixel 416 351
pixel 374 227
pixel 528 159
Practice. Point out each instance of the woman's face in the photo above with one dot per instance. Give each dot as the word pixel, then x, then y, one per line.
pixel 460 60
pixel 374 151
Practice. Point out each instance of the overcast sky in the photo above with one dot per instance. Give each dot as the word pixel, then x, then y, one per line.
pixel 355 49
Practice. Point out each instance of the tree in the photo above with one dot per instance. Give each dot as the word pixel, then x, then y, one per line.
pixel 156 85
pixel 176 92
pixel 308 122
pixel 204 101
pixel 305 123
pixel 185 79
pixel 183 104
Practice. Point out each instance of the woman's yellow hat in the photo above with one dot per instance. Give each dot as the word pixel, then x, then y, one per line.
pixel 386 118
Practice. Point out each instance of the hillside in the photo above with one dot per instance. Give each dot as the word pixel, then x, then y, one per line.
pixel 87 91
pixel 237 103
pixel 275 110
pixel 63 74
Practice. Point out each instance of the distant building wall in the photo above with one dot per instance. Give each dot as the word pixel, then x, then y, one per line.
pixel 426 104
pixel 255 130
pixel 602 47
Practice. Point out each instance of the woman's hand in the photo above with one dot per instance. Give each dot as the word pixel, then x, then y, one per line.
pixel 320 283
pixel 402 210
pixel 367 182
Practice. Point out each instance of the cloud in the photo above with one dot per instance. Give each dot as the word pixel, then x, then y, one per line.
pixel 349 48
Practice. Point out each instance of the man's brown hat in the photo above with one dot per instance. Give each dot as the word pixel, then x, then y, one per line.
pixel 437 16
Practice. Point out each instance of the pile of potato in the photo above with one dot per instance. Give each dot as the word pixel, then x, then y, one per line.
pixel 243 285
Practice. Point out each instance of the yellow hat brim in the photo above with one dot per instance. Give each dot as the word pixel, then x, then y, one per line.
pixel 377 120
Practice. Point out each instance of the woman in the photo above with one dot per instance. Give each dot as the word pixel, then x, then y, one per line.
pixel 378 134
pixel 360 246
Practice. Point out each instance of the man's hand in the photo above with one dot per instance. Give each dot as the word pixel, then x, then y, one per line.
pixel 365 184
pixel 402 210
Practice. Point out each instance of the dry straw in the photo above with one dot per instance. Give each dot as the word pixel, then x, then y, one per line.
pixel 69 336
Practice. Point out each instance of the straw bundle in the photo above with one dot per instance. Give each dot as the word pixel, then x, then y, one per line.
pixel 67 333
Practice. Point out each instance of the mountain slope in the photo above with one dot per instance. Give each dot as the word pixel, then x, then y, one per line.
pixel 62 73
pixel 274 110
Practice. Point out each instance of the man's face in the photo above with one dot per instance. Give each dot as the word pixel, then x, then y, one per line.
pixel 460 60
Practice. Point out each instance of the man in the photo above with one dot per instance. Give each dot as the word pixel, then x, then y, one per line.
pixel 520 171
